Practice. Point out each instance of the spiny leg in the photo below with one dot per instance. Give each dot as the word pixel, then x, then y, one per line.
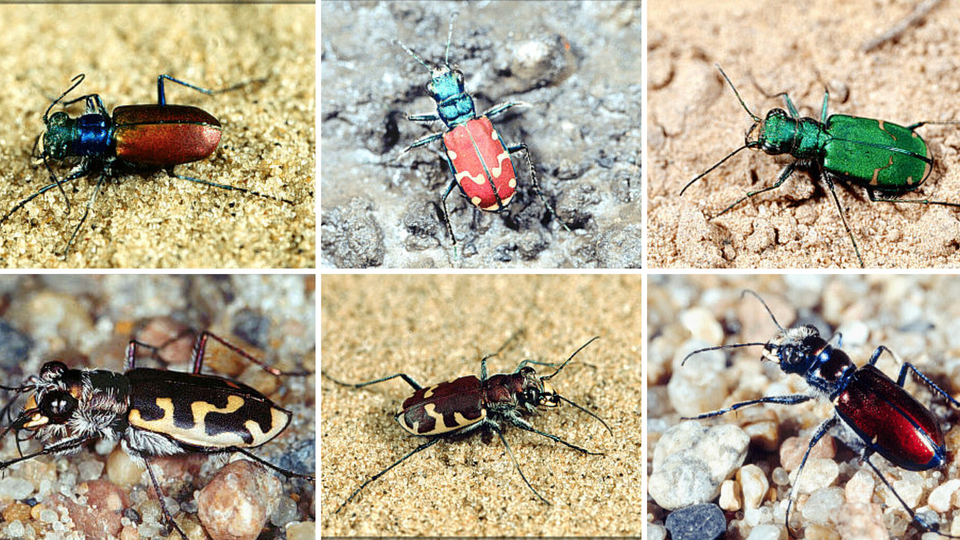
pixel 163 506
pixel 227 187
pixel 285 472
pixel 497 109
pixel 515 463
pixel 86 212
pixel 522 147
pixel 843 217
pixel 784 174
pixel 793 399
pixel 913 516
pixel 446 215
pixel 879 198
pixel 420 448
pixel 821 431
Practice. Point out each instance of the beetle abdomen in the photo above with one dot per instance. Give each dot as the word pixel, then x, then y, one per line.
pixel 164 135
pixel 202 411
pixel 876 154
pixel 443 408
pixel 891 421
pixel 481 164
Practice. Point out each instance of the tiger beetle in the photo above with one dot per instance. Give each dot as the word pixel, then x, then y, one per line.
pixel 152 412
pixel 476 154
pixel 874 414
pixel 468 404
pixel 136 138
pixel 886 159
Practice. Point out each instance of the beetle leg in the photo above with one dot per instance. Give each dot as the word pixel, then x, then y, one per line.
pixel 446 214
pixel 497 109
pixel 516 420
pixel 522 147
pixel 420 448
pixel 792 399
pixel 875 198
pixel 821 431
pixel 62 446
pixel 843 217
pixel 86 212
pixel 199 351
pixel 285 472
pixel 506 445
pixel 419 142
pixel 920 522
pixel 923 378
pixel 784 174
pixel 423 118
pixel 483 361
pixel 409 380
pixel 163 507
pixel 43 190
pixel 170 172
pixel 823 111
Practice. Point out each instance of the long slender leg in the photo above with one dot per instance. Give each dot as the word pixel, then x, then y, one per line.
pixel 199 351
pixel 920 522
pixel 499 108
pixel 446 215
pixel 227 187
pixel 515 463
pixel 420 448
pixel 428 118
pixel 523 424
pixel 793 399
pixel 409 380
pixel 86 212
pixel 821 431
pixel 483 361
pixel 879 198
pixel 522 147
pixel 39 192
pixel 784 174
pixel 162 100
pixel 843 217
pixel 418 143
pixel 163 506
pixel 265 463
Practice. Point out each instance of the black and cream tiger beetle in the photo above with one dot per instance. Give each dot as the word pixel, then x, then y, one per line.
pixel 469 404
pixel 152 412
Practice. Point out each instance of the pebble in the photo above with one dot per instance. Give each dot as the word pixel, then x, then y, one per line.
pixel 691 461
pixel 754 485
pixel 730 497
pixel 767 531
pixel 301 530
pixel 818 473
pixel 792 450
pixel 822 505
pixel 940 499
pixel 698 522
pixel 238 500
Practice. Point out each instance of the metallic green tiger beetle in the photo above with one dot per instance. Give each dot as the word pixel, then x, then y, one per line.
pixel 886 159
pixel 153 412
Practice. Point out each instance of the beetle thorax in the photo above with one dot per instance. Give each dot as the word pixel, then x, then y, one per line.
pixel 454 104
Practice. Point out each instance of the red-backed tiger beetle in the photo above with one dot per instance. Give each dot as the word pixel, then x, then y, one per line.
pixel 135 138
pixel 468 404
pixel 474 151
pixel 873 414
pixel 152 412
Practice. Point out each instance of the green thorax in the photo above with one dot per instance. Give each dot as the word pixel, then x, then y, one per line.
pixel 802 138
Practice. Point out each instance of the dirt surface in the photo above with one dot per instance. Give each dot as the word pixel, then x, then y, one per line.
pixel 915 317
pixel 152 220
pixel 437 328
pixel 576 63
pixel 799 48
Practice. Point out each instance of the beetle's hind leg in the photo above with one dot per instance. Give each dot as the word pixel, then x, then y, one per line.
pixel 420 448
pixel 496 429
pixel 522 147
pixel 894 199
pixel 409 380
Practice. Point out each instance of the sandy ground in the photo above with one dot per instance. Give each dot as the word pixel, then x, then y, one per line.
pixel 576 63
pixel 152 220
pixel 436 328
pixel 798 48
pixel 915 316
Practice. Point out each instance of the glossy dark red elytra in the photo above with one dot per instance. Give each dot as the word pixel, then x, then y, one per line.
pixel 469 404
pixel 881 416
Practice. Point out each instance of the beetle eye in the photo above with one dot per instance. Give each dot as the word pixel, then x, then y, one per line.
pixel 532 396
pixel 58 406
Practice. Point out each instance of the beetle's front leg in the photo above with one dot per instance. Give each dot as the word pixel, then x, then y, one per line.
pixel 419 142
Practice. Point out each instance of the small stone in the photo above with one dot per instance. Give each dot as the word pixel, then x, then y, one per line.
pixel 698 522
pixel 754 485
pixel 122 470
pixel 16 489
pixel 940 499
pixel 16 511
pixel 702 325
pixel 730 496
pixel 859 488
pixel 301 530
pixel 821 507
pixel 817 474
pixel 235 505
pixel 656 532
pixel 767 531
pixel 691 461
pixel 819 532
pixel 792 450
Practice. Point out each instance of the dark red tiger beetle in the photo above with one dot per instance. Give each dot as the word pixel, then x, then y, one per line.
pixel 152 412
pixel 137 138
pixel 476 154
pixel 875 414
pixel 469 404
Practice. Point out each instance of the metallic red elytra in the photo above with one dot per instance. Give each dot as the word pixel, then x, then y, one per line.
pixel 136 137
pixel 880 415
pixel 477 156
pixel 469 403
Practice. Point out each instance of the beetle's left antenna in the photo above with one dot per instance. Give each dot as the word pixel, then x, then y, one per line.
pixel 76 82
pixel 413 54
pixel 446 55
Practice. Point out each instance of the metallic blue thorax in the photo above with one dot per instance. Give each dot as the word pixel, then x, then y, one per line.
pixel 454 105
pixel 94 135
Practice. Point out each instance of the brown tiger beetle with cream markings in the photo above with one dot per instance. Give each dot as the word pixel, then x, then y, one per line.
pixel 153 412
pixel 467 404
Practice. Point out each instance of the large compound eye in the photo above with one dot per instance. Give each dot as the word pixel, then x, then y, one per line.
pixel 58 406
pixel 532 396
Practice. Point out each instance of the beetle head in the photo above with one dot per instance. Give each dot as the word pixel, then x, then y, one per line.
pixel 56 141
pixel 795 349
